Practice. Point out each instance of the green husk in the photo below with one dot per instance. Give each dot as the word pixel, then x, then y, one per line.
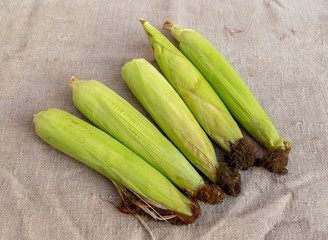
pixel 200 97
pixel 169 111
pixel 107 156
pixel 115 116
pixel 234 93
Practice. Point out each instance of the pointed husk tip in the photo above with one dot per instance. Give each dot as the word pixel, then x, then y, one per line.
pixel 168 25
pixel 39 113
pixel 72 80
pixel 143 21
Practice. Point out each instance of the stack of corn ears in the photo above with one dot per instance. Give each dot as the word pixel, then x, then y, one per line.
pixel 152 192
pixel 235 95
pixel 200 97
pixel 147 169
pixel 175 119
pixel 115 116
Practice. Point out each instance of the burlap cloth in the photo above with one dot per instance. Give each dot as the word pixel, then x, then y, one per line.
pixel 279 48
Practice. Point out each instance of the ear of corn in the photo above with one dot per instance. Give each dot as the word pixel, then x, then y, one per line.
pixel 229 86
pixel 193 88
pixel 115 116
pixel 107 156
pixel 171 114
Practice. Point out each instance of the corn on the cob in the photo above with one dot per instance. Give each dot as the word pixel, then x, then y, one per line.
pixel 173 116
pixel 234 93
pixel 107 156
pixel 200 97
pixel 115 116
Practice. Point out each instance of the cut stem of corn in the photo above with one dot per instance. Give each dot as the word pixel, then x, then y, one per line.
pixel 234 93
pixel 115 116
pixel 107 156
pixel 200 97
pixel 169 111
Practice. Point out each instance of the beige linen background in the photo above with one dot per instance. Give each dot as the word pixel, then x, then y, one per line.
pixel 278 47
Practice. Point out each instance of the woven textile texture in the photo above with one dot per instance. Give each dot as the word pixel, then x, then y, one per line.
pixel 278 47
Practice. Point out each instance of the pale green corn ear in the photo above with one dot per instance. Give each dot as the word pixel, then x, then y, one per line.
pixel 172 115
pixel 201 98
pixel 234 93
pixel 115 116
pixel 112 159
